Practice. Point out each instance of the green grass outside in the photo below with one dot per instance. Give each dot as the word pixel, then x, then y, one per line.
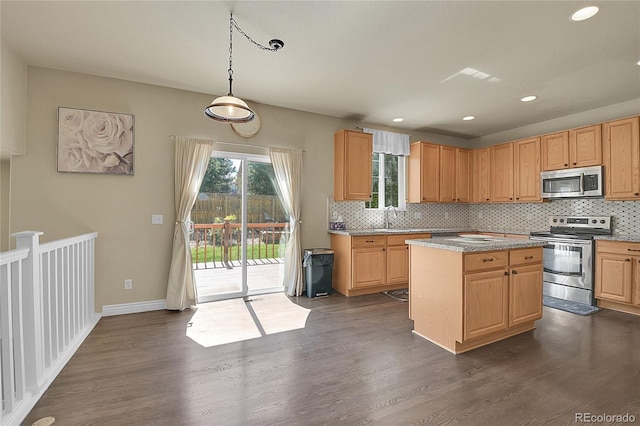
pixel 261 251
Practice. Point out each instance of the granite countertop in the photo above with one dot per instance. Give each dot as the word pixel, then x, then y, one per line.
pixel 433 231
pixel 490 244
pixel 621 237
pixel 391 231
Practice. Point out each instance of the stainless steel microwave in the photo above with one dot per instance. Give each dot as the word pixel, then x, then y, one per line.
pixel 572 183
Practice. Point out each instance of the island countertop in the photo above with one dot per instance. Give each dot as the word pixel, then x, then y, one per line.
pixel 462 244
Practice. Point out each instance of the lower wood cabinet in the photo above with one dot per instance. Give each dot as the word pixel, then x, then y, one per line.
pixel 486 303
pixel 365 264
pixel 618 275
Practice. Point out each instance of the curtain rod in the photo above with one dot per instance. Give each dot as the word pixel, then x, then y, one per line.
pixel 246 144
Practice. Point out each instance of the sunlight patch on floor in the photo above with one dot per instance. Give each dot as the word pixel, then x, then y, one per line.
pixel 228 321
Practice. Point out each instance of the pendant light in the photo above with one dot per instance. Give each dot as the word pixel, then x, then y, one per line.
pixel 230 109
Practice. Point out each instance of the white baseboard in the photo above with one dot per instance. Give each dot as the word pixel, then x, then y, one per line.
pixel 133 308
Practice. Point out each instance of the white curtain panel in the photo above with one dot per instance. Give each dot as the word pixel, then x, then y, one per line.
pixel 287 167
pixel 192 159
pixel 389 142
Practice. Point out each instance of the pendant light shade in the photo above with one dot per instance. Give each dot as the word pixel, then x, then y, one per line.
pixel 229 109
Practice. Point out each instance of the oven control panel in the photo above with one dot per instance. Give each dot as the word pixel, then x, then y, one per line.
pixel 581 222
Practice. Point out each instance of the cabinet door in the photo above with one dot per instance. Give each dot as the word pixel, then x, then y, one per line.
pixel 555 151
pixel 525 294
pixel 621 154
pixel 585 146
pixel 424 173
pixel 463 170
pixel 613 277
pixel 502 172
pixel 527 170
pixel 636 282
pixel 486 303
pixel 358 164
pixel 397 264
pixel 447 174
pixel 481 172
pixel 368 267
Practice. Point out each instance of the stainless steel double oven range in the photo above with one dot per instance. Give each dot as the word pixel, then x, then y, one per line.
pixel 568 256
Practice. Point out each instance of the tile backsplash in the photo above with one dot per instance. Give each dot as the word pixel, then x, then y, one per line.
pixel 528 216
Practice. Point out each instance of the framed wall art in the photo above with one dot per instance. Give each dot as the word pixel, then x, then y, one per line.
pixel 95 142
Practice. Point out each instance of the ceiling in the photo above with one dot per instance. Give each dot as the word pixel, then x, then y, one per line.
pixel 368 61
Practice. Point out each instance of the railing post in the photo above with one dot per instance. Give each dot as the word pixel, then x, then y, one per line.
pixel 33 357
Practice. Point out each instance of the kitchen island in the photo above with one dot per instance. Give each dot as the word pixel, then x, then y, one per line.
pixel 467 292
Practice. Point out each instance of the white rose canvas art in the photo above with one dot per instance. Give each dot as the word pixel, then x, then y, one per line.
pixel 95 142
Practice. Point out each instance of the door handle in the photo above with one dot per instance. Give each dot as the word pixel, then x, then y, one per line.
pixel 632 249
pixel 490 259
pixel 514 272
pixel 528 257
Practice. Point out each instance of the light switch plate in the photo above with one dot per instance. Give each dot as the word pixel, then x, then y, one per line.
pixel 157 219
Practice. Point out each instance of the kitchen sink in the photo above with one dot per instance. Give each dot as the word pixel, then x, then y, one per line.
pixel 398 230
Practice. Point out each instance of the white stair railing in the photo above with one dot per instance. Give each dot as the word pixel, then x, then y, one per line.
pixel 46 311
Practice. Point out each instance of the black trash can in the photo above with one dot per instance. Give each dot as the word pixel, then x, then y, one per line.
pixel 318 268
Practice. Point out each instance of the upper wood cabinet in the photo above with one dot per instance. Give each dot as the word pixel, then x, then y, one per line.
pixel 438 173
pixel 527 170
pixel 463 175
pixel 573 148
pixel 424 172
pixel 502 172
pixel 585 146
pixel 481 172
pixel 555 151
pixel 621 151
pixel 352 160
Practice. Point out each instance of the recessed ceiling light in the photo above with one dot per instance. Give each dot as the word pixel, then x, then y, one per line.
pixel 638 62
pixel 398 120
pixel 529 98
pixel 468 117
pixel 584 13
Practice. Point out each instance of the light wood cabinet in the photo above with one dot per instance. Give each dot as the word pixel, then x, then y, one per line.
pixel 585 146
pixel 618 275
pixel 481 172
pixel 461 301
pixel 365 264
pixel 527 170
pixel 352 166
pixel 463 175
pixel 555 151
pixel 438 173
pixel 424 172
pixel 486 303
pixel 621 152
pixel 502 172
pixel 580 147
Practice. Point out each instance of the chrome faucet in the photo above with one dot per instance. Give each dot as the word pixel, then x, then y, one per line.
pixel 387 224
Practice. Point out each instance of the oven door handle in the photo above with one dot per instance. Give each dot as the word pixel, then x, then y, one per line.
pixel 581 183
pixel 565 242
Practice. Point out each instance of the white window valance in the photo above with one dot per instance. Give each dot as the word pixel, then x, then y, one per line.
pixel 389 142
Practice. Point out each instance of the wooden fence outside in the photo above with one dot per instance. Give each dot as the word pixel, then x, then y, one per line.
pixel 213 208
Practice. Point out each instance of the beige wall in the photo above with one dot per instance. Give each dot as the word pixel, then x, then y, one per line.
pixel 5 176
pixel 585 118
pixel 13 89
pixel 119 208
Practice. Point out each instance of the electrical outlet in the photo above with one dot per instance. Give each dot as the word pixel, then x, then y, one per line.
pixel 417 215
pixel 128 284
pixel 529 217
pixel 479 215
pixel 157 219
pixel 446 215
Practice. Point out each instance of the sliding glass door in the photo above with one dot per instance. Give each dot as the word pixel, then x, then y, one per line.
pixel 239 229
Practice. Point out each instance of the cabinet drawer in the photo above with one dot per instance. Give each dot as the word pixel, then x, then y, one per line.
pixel 398 240
pixel 485 261
pixel 525 256
pixel 631 249
pixel 368 241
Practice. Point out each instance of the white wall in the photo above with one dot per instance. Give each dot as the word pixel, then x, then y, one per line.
pixel 119 208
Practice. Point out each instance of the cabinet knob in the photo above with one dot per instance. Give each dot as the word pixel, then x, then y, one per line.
pixel 511 198
pixel 487 199
pixel 627 260
pixel 407 247
pixel 514 272
pixel 506 273
pixel 636 194
pixel 565 164
pixel 383 249
pixel 575 164
pixel 423 198
pixel 517 198
pixel 528 257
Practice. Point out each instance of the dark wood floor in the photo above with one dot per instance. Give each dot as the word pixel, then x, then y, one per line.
pixel 356 362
